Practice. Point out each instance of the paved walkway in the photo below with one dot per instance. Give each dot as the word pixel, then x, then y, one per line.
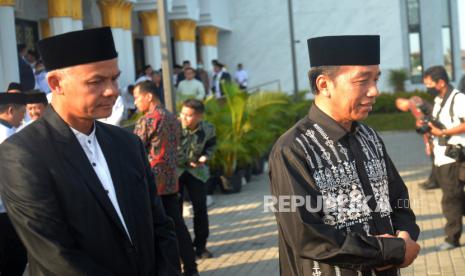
pixel 243 238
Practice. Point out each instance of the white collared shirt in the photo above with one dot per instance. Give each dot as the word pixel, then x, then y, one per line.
pixel 217 83
pixel 5 132
pixel 91 147
pixel 444 117
pixel 241 77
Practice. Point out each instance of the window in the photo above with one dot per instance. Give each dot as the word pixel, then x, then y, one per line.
pixel 446 32
pixel 414 39
pixel 27 32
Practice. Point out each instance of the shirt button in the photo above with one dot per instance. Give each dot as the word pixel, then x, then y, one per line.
pixel 93 164
pixel 88 141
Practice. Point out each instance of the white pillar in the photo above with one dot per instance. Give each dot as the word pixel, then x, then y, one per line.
pixel 118 37
pixel 209 45
pixel 60 25
pixel 3 84
pixel 77 25
pixel 431 36
pixel 185 50
pixel 8 51
pixel 129 53
pixel 152 51
pixel 208 53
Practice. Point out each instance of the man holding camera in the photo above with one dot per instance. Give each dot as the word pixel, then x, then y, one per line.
pixel 448 152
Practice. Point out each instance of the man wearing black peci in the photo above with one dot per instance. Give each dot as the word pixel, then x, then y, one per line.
pixel 80 193
pixel 356 219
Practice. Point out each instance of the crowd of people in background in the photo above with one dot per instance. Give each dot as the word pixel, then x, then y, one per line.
pixel 189 82
pixel 177 148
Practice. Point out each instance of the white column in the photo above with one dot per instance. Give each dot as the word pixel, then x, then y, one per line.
pixel 120 46
pixel 8 51
pixel 60 25
pixel 208 53
pixel 185 50
pixel 152 51
pixel 77 25
pixel 129 53
pixel 431 35
pixel 3 84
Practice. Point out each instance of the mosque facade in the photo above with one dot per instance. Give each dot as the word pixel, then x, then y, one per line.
pixel 415 34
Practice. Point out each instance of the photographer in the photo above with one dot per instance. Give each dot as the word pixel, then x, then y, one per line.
pixel 421 110
pixel 448 129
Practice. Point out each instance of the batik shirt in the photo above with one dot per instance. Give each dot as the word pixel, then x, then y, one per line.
pixel 351 191
pixel 194 144
pixel 160 132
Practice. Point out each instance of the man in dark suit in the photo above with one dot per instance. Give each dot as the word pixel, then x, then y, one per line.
pixel 80 193
pixel 26 75
pixel 219 76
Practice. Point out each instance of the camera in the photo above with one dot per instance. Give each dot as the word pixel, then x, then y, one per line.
pixel 456 152
pixel 427 118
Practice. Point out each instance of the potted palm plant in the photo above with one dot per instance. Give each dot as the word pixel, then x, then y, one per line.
pixel 245 126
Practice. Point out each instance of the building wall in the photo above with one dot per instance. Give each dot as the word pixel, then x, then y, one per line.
pixel 256 33
pixel 260 36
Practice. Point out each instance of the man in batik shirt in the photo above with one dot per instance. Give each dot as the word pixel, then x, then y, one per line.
pixel 355 218
pixel 160 132
pixel 198 142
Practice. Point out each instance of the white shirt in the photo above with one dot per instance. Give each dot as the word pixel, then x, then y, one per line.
pixel 217 84
pixel 93 151
pixel 444 117
pixel 143 78
pixel 41 82
pixel 5 132
pixel 117 113
pixel 191 89
pixel 241 77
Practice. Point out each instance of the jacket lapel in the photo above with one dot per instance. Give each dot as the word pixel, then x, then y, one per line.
pixel 123 191
pixel 69 147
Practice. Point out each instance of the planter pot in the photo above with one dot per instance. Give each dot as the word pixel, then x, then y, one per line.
pixel 212 183
pixel 248 173
pixel 232 184
pixel 258 166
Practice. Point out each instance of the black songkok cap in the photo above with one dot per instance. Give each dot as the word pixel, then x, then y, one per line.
pixel 14 86
pixel 343 50
pixel 12 98
pixel 76 48
pixel 36 97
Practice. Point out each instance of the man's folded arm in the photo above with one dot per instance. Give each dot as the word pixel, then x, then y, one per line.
pixel 309 236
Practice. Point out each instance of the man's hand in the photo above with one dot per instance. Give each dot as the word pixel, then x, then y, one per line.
pixel 434 130
pixel 412 248
pixel 203 159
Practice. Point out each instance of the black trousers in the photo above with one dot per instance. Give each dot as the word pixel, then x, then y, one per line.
pixel 13 257
pixel 186 248
pixel 432 175
pixel 453 200
pixel 198 195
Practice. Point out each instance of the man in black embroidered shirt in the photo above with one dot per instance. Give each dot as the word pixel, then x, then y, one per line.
pixel 356 219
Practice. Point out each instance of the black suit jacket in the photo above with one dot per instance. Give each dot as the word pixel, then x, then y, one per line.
pixel 63 215
pixel 225 77
pixel 26 75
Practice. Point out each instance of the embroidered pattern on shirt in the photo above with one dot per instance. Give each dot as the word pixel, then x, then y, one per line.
pixel 336 177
